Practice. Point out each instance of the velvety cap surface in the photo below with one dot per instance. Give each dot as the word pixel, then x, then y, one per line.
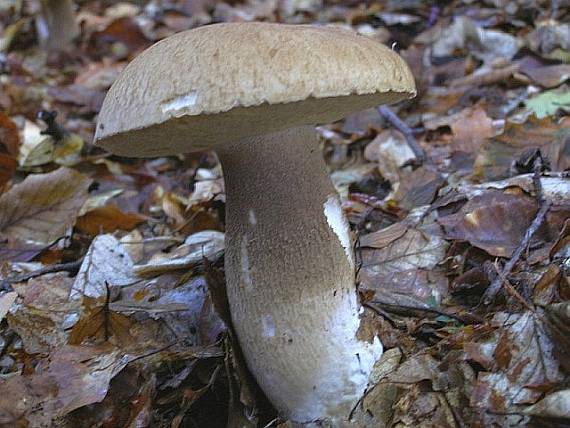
pixel 222 82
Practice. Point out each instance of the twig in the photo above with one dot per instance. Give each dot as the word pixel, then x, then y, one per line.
pixel 493 289
pixel 107 313
pixel 514 293
pixel 401 126
pixel 71 267
pixel 375 308
pixel 544 206
pixel 396 307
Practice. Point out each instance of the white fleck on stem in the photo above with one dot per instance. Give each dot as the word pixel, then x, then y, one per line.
pixel 244 261
pixel 339 224
pixel 252 218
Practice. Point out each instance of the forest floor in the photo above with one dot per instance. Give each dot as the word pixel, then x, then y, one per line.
pixel 464 252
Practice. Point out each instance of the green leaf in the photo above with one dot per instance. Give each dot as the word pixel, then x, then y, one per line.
pixel 547 103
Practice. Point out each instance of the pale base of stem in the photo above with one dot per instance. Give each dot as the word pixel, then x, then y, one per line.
pixel 290 275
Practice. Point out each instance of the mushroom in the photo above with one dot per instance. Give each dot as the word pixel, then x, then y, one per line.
pixel 56 25
pixel 253 93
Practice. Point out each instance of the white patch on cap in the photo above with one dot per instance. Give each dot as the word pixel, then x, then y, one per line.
pixel 252 217
pixel 181 102
pixel 244 260
pixel 268 325
pixel 339 224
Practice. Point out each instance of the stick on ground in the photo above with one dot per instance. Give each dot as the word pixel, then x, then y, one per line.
pixel 401 126
pixel 543 207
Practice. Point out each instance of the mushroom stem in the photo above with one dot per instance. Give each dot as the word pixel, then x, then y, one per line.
pixel 290 276
pixel 56 25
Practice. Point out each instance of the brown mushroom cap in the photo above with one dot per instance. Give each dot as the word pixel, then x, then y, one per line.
pixel 223 82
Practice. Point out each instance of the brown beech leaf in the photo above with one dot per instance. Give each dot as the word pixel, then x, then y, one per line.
pixel 547 76
pixel 207 243
pixel 526 360
pixel 419 405
pixel 124 30
pixel 418 188
pixel 91 99
pixel 418 368
pixel 472 127
pixel 9 148
pixel 43 317
pixel 404 268
pixel 72 377
pixel 130 399
pixel 101 324
pixel 482 351
pixel 9 138
pixel 497 154
pixel 41 208
pixel 8 165
pixel 487 221
pixel 384 237
pixel 107 219
pixel 415 249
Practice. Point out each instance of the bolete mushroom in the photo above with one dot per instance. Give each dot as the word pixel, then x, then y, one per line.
pixel 253 93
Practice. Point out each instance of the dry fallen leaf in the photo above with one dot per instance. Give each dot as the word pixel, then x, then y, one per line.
pixel 472 127
pixel 486 44
pixel 404 268
pixel 72 377
pixel 496 157
pixel 197 246
pixel 43 207
pixel 555 405
pixel 487 221
pixel 45 314
pixel 6 300
pixel 106 261
pixel 529 369
pixel 558 316
pixel 548 76
pixel 9 148
pixel 124 30
pixel 107 219
pixel 384 237
pixel 100 324
pixel 36 149
pixel 448 362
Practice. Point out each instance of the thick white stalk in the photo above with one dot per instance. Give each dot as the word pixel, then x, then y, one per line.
pixel 290 276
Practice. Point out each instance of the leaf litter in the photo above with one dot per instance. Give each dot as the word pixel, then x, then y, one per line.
pixel 112 311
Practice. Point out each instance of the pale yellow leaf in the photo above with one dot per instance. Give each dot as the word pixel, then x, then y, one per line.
pixel 36 149
pixel 68 151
